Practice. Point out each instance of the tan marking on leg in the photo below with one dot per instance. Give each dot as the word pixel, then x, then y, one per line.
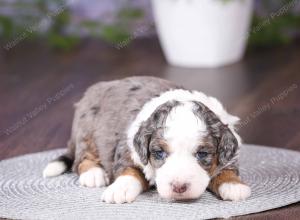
pixel 86 164
pixel 135 172
pixel 226 176
pixel 90 157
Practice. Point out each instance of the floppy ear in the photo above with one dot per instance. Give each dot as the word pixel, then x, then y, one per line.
pixel 227 148
pixel 156 121
pixel 226 142
pixel 141 141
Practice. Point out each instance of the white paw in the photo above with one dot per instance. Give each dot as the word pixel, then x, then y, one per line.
pixel 234 191
pixel 94 177
pixel 124 189
pixel 54 168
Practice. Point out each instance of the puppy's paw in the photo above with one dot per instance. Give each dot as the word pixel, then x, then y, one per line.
pixel 94 177
pixel 234 191
pixel 124 190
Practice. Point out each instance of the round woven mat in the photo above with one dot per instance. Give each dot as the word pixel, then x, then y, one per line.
pixel 273 175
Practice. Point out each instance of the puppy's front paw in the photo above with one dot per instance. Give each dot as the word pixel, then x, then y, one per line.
pixel 124 189
pixel 94 177
pixel 234 191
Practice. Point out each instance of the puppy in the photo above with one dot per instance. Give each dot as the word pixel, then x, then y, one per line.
pixel 137 132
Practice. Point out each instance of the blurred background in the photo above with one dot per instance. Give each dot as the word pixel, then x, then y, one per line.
pixel 63 24
pixel 244 52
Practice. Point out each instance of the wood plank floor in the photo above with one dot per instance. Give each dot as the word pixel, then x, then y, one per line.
pixel 39 86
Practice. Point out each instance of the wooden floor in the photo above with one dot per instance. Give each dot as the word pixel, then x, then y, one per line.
pixel 38 88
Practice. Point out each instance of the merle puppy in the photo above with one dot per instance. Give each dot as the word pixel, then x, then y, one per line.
pixel 137 132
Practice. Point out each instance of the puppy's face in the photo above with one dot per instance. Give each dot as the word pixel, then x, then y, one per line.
pixel 184 143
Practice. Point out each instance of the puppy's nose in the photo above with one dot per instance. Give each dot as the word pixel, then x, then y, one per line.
pixel 179 187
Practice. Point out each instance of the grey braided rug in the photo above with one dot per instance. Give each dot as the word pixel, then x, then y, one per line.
pixel 273 174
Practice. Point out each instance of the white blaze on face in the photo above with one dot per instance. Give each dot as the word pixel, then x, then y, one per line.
pixel 181 169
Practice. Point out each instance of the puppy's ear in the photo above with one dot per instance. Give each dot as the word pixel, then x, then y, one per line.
pixel 156 121
pixel 226 142
pixel 141 141
pixel 227 148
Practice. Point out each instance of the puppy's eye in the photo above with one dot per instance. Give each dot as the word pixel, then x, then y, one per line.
pixel 201 155
pixel 159 154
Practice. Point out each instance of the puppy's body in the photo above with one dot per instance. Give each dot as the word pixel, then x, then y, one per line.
pixel 114 124
pixel 104 115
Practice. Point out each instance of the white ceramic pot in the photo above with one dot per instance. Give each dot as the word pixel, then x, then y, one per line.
pixel 203 33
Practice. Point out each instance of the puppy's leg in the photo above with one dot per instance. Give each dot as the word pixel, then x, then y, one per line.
pixel 91 174
pixel 88 164
pixel 229 186
pixel 127 186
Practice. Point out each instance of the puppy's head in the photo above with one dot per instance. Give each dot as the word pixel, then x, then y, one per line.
pixel 184 143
